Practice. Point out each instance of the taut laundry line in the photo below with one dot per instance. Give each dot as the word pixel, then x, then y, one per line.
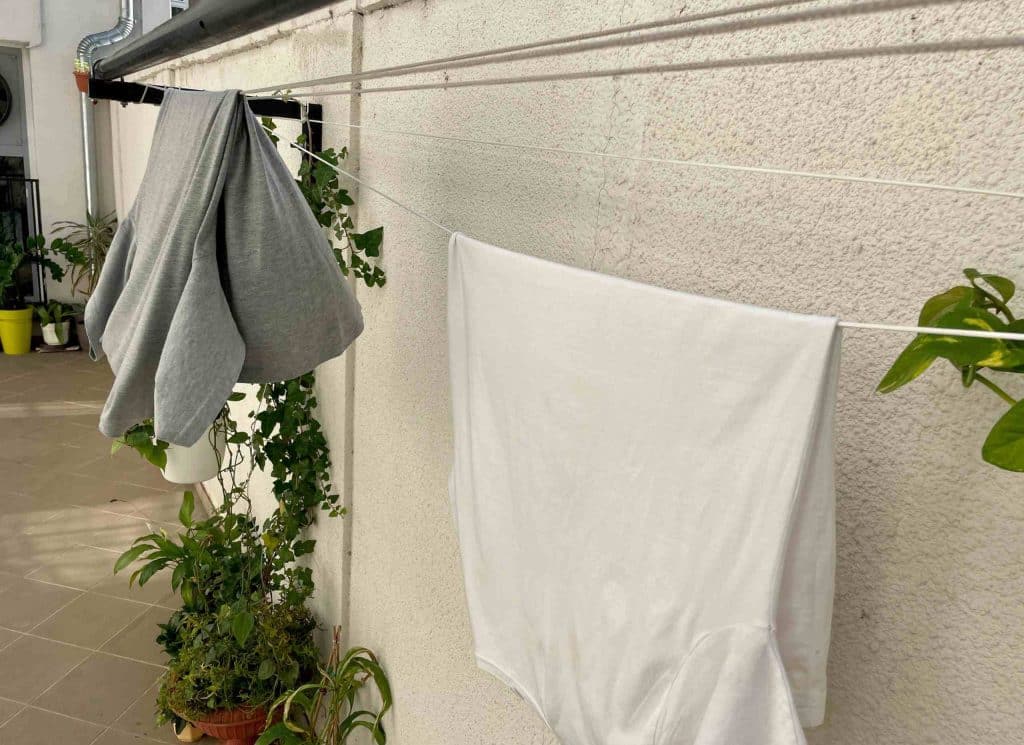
pixel 690 163
pixel 413 67
pixel 930 330
pixel 937 47
pixel 564 46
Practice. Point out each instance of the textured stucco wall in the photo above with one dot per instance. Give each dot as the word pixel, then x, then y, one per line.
pixel 928 629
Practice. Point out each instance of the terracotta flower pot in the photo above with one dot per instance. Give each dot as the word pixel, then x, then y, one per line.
pixel 234 726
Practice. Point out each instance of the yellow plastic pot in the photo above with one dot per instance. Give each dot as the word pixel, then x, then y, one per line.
pixel 16 331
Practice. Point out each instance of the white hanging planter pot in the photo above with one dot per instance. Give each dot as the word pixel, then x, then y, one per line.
pixel 195 463
pixel 56 334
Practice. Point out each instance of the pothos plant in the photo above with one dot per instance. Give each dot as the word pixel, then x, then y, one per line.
pixel 356 253
pixel 980 305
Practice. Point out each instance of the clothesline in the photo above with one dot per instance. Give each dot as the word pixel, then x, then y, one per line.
pixel 689 163
pixel 929 330
pixel 594 41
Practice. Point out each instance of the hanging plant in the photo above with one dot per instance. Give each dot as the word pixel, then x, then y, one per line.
pixel 356 253
pixel 981 305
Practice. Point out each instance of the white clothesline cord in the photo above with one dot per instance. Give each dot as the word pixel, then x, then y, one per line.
pixel 931 330
pixel 938 47
pixel 413 67
pixel 689 163
pixel 557 48
pixel 378 192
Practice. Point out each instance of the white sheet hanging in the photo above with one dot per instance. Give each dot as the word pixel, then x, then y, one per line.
pixel 642 487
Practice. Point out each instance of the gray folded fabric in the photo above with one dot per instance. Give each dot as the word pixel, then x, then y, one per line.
pixel 219 274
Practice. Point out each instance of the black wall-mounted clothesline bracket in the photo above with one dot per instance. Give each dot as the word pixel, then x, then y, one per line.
pixel 309 114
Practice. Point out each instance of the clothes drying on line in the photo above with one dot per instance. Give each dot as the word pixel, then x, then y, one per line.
pixel 218 274
pixel 642 487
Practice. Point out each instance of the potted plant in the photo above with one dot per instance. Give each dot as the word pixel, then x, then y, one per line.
pixel 180 464
pixel 324 711
pixel 243 636
pixel 54 319
pixel 84 247
pixel 980 305
pixel 15 315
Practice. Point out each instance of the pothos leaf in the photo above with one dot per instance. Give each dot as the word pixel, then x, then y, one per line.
pixel 1004 446
pixel 912 362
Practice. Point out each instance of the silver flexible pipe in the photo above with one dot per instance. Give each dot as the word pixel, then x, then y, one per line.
pixel 83 65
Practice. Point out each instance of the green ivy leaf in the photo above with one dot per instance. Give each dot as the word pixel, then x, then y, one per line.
pixel 1004 446
pixel 369 242
pixel 241 626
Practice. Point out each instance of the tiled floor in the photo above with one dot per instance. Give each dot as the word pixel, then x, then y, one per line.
pixel 78 661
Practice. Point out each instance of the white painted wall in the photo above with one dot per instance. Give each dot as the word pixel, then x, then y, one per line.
pixel 929 614
pixel 54 125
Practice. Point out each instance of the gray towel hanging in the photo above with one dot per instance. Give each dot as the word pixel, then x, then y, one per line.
pixel 218 274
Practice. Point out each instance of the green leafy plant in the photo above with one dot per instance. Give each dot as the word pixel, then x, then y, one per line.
pixel 142 439
pixel 220 663
pixel 980 305
pixel 235 575
pixel 357 253
pixel 325 712
pixel 13 255
pixel 84 247
pixel 54 312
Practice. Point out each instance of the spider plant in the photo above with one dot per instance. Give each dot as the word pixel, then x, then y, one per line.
pixel 325 712
pixel 84 246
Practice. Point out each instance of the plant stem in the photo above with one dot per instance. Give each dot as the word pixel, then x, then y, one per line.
pixel 995 389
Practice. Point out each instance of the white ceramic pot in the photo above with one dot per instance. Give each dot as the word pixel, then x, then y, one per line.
pixel 56 334
pixel 194 463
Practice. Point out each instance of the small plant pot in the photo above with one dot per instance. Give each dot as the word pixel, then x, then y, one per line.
pixel 194 463
pixel 235 726
pixel 188 732
pixel 16 331
pixel 56 334
pixel 82 335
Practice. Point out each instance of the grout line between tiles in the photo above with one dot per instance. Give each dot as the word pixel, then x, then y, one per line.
pixel 30 635
pixel 97 592
pixel 105 727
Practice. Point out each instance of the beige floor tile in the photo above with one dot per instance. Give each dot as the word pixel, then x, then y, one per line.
pixel 117 737
pixel 7 579
pixel 81 567
pixel 22 478
pixel 100 689
pixel 90 620
pixel 138 641
pixel 26 603
pixel 157 590
pixel 8 709
pixel 161 506
pixel 90 526
pixel 128 466
pixel 32 665
pixel 7 637
pixel 92 491
pixel 35 727
pixel 140 719
pixel 23 513
pixel 23 553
